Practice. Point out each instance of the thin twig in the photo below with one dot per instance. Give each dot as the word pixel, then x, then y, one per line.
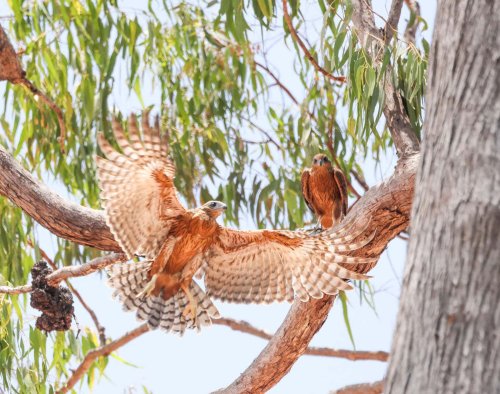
pixel 360 179
pixel 64 273
pixel 278 82
pixel 271 139
pixel 308 54
pixel 352 355
pixel 283 87
pixel 101 351
pixel 51 104
pixel 15 290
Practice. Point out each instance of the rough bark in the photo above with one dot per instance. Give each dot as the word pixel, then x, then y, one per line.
pixel 388 206
pixel 10 68
pixel 447 337
pixel 61 217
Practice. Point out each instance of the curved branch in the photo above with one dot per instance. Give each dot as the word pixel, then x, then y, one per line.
pixel 353 355
pixel 99 352
pixel 63 218
pixel 387 204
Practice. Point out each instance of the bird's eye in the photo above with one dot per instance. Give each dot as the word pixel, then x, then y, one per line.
pixel 213 205
pixel 326 160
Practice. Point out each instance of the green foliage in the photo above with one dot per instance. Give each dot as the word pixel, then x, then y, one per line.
pixel 200 67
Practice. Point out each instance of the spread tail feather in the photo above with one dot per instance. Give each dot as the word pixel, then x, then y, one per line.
pixel 129 279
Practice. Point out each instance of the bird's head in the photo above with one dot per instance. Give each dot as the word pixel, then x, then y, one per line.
pixel 214 208
pixel 321 160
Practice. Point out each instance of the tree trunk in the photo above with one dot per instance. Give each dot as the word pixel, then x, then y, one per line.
pixel 447 337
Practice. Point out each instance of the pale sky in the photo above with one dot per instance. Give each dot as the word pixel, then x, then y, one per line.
pixel 205 361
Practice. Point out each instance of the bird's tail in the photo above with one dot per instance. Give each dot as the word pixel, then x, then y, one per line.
pixel 130 279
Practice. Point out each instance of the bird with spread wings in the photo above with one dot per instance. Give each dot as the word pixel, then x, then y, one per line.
pixel 324 188
pixel 147 220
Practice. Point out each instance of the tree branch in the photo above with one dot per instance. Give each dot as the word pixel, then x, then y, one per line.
pixel 365 388
pixel 64 273
pixel 398 122
pixel 105 350
pixel 389 205
pixel 65 219
pixel 301 44
pixel 352 355
pixel 391 26
pixel 11 70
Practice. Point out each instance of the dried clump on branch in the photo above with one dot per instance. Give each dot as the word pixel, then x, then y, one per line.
pixel 55 302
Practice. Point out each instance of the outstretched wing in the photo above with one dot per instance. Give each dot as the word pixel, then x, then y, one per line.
pixel 137 188
pixel 306 188
pixel 341 182
pixel 269 265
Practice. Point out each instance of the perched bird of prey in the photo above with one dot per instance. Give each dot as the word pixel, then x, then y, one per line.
pixel 147 219
pixel 325 190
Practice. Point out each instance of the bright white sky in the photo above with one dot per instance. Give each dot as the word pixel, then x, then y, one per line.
pixel 205 361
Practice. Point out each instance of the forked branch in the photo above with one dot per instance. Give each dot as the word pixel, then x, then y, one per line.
pixel 374 41
pixel 387 204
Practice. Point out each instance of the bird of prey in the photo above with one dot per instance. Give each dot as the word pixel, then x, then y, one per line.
pixel 147 220
pixel 325 190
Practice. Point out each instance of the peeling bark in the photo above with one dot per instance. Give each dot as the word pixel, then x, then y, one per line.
pixel 447 336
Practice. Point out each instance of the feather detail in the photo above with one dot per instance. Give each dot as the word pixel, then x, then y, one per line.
pixel 129 279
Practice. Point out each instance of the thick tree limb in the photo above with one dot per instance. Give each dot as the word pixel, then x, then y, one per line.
pixel 365 388
pixel 300 43
pixel 387 204
pixel 100 352
pixel 353 355
pixel 63 218
pixel 373 40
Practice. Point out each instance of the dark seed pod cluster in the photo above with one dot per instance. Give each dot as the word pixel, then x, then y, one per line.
pixel 55 303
